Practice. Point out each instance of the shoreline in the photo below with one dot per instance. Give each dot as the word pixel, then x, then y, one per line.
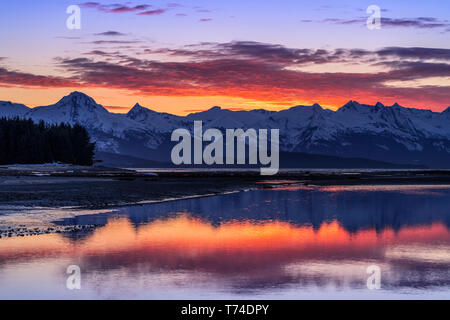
pixel 51 192
pixel 74 187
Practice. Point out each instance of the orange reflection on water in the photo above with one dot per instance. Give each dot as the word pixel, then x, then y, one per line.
pixel 409 189
pixel 278 181
pixel 292 188
pixel 183 238
pixel 394 188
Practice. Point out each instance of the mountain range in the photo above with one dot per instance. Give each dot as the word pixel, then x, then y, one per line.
pixel 381 134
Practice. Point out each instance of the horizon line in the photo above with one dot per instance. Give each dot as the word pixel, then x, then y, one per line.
pixel 232 109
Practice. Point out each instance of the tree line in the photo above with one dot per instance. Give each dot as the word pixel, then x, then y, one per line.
pixel 23 141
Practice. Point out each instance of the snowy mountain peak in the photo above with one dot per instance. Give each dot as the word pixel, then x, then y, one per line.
pixel 209 115
pixel 79 97
pixel 140 113
pixel 350 106
pixel 78 103
pixel 355 130
pixel 79 108
pixel 355 107
pixel 300 108
pixel 78 94
pixel 137 108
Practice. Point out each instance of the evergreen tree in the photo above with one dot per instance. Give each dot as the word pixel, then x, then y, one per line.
pixel 25 142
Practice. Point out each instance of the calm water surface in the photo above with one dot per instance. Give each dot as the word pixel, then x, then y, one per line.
pixel 284 243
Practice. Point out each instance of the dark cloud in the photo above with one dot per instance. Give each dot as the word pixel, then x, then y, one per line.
pixel 280 54
pixel 412 70
pixel 275 53
pixel 102 53
pixel 142 9
pixel 416 53
pixel 14 78
pixel 258 71
pixel 110 34
pixel 420 22
pixel 123 9
pixel 263 52
pixel 263 79
pixel 100 42
pixel 152 12
pixel 115 8
pixel 90 5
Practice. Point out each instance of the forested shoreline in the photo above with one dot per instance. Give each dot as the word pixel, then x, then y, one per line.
pixel 23 141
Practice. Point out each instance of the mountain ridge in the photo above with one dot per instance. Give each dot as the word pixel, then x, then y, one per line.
pixel 80 95
pixel 393 134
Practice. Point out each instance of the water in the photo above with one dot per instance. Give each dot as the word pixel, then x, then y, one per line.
pixel 285 243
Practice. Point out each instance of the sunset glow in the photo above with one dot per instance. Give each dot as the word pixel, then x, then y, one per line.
pixel 180 58
pixel 185 238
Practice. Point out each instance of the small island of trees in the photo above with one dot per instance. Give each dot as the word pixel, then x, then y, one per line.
pixel 23 141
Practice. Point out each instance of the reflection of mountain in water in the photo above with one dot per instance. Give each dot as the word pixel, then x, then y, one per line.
pixel 271 242
pixel 354 211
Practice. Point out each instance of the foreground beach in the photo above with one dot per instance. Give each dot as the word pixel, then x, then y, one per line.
pixel 101 187
pixel 33 196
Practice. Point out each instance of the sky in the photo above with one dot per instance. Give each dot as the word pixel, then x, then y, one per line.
pixel 186 56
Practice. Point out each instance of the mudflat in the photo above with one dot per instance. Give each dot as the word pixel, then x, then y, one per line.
pixel 101 187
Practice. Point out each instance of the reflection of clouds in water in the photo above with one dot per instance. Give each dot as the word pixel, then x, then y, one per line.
pixel 256 242
pixel 342 273
pixel 406 189
pixel 427 254
pixel 238 256
pixel 391 207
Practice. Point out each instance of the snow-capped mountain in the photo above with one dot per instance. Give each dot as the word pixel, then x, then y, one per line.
pixel 112 132
pixel 154 121
pixel 384 133
pixel 9 109
pixel 82 109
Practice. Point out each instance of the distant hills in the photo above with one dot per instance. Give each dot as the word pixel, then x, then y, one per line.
pixel 355 135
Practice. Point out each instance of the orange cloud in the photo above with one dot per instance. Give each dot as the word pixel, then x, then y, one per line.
pixel 261 73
